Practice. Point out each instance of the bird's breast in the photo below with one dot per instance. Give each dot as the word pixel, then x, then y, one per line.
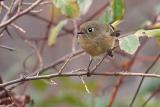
pixel 95 46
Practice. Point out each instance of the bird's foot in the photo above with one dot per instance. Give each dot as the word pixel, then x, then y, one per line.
pixel 88 72
pixel 110 52
pixel 115 33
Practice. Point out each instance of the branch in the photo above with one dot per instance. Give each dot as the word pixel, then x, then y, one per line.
pixel 6 47
pixel 141 81
pixel 59 61
pixel 121 78
pixel 115 91
pixel 23 79
pixel 5 23
pixel 152 95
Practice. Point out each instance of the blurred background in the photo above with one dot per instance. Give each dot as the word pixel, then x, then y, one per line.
pixel 70 91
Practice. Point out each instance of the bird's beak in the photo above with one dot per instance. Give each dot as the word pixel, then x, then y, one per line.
pixel 79 33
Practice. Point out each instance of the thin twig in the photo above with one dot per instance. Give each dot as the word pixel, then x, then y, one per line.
pixel 96 66
pixel 18 28
pixel 38 55
pixel 74 36
pixel 152 95
pixel 49 76
pixel 120 79
pixel 64 65
pixel 141 81
pixel 17 15
pixel 59 61
pixel 115 91
pixel 47 21
pixel 6 47
pixel 85 85
pixel 97 12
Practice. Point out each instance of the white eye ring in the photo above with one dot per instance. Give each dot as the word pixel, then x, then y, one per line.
pixel 90 29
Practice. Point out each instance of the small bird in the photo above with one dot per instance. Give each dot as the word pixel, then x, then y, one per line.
pixel 97 38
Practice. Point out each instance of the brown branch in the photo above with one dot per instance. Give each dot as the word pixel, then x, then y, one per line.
pixel 64 65
pixel 152 95
pixel 97 12
pixel 141 81
pixel 61 60
pixel 17 15
pixel 49 26
pixel 47 21
pixel 49 76
pixel 120 79
pixel 6 47
pixel 115 91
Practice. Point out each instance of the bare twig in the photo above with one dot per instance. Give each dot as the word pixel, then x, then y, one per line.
pixel 38 55
pixel 47 21
pixel 64 65
pixel 85 85
pixel 42 3
pixel 59 61
pixel 74 36
pixel 49 76
pixel 141 81
pixel 18 28
pixel 17 15
pixel 6 47
pixel 115 91
pixel 97 12
pixel 96 66
pixel 152 95
pixel 120 79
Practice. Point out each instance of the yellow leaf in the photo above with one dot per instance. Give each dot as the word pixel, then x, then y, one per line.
pixel 69 8
pixel 154 26
pixel 116 23
pixel 54 33
pixel 56 13
pixel 150 33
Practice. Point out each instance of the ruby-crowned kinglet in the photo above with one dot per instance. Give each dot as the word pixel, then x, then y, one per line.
pixel 97 38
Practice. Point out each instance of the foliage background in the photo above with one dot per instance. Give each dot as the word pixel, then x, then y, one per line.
pixel 69 91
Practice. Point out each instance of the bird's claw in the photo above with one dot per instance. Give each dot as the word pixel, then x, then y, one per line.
pixel 88 72
pixel 115 33
pixel 110 52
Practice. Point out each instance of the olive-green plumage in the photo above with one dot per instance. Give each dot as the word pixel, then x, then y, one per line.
pixel 95 38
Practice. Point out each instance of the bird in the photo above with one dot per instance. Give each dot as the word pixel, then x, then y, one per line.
pixel 97 38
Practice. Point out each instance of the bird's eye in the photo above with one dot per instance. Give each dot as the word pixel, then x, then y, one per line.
pixel 90 29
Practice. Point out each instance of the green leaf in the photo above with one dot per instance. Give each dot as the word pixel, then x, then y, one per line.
pixel 114 13
pixel 129 43
pixel 150 33
pixel 84 5
pixel 151 86
pixel 70 100
pixel 100 102
pixel 39 85
pixel 69 8
pixel 54 33
pixel 106 16
pixel 117 10
pixel 75 86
